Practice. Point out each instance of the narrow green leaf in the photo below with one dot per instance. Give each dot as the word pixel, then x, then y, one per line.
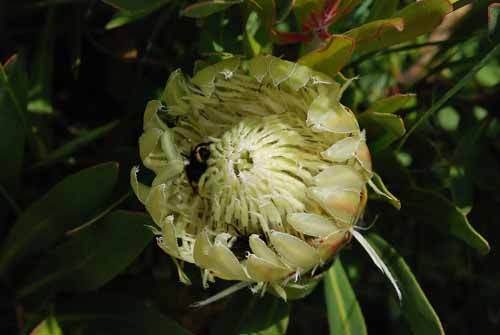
pixel 382 9
pixel 92 256
pixel 206 8
pixel 122 18
pixel 344 314
pixel 73 145
pixel 40 99
pixel 414 20
pixel 137 5
pixel 440 213
pixel 415 306
pixel 113 314
pixel 382 129
pixel 332 57
pixel 452 91
pixel 13 92
pixel 391 104
pixel 466 157
pixel 65 206
pixel 250 314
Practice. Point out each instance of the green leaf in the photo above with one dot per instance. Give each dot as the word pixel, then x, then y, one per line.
pixel 69 148
pixel 113 314
pixel 415 306
pixel 344 314
pixel 382 9
pixel 206 8
pixel 414 20
pixel 250 314
pixel 493 21
pixel 391 104
pixel 49 326
pixel 13 92
pixel 382 129
pixel 137 5
pixel 304 8
pixel 40 94
pixel 122 18
pixel 451 92
pixel 65 206
pixel 332 57
pixel 436 210
pixel 93 256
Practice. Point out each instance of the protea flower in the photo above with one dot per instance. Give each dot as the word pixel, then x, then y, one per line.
pixel 261 172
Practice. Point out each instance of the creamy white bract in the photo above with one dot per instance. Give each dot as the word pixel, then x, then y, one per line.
pixel 285 182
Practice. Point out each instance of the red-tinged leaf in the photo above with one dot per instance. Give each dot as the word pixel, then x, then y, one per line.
pixel 412 21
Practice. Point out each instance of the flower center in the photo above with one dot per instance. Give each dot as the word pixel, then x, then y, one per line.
pixel 258 172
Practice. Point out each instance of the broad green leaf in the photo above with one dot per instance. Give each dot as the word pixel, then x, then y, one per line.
pixel 206 8
pixel 92 256
pixel 250 314
pixel 73 145
pixel 49 326
pixel 13 92
pixel 114 314
pixel 40 93
pixel 122 18
pixel 137 5
pixel 344 314
pixel 382 129
pixel 382 9
pixel 391 104
pixel 415 306
pixel 440 213
pixel 493 21
pixel 414 20
pixel 65 206
pixel 332 57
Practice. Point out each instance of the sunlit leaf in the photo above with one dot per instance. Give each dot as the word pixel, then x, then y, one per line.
pixel 391 104
pixel 434 209
pixel 92 256
pixel 344 314
pixel 414 20
pixel 114 314
pixel 250 314
pixel 206 8
pixel 49 326
pixel 332 57
pixel 122 18
pixel 65 206
pixel 415 306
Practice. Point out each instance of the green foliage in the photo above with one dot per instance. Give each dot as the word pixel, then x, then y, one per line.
pixel 344 313
pixel 74 79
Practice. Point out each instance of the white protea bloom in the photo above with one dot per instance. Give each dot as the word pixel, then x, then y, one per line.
pixel 261 172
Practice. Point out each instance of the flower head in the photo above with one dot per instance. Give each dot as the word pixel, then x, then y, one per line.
pixel 261 172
